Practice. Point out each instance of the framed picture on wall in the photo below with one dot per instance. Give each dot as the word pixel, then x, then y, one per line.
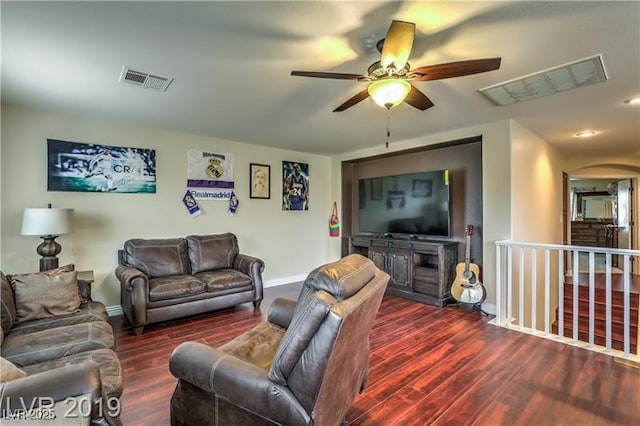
pixel 260 181
pixel 295 185
pixel 86 167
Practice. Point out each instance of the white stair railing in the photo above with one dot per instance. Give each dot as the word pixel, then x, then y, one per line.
pixel 530 286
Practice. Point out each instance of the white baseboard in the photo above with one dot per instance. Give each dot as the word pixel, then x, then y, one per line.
pixel 114 311
pixel 489 308
pixel 285 280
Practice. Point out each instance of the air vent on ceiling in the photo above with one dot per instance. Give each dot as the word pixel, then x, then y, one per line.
pixel 143 79
pixel 569 76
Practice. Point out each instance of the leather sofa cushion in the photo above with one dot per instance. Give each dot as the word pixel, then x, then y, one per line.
pixel 224 279
pixel 211 252
pixel 7 304
pixel 304 325
pixel 341 279
pixel 110 369
pixel 89 312
pixel 256 346
pixel 158 258
pixel 174 287
pixel 47 345
pixel 344 278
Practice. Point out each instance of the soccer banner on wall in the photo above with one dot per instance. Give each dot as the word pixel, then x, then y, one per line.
pixel 89 167
pixel 210 175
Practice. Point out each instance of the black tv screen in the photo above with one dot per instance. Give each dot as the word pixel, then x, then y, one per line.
pixel 414 204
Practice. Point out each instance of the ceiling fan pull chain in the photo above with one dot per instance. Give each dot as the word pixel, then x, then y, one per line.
pixel 386 145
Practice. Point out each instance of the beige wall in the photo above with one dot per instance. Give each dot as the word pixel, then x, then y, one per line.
pixel 291 243
pixel 536 182
pixel 536 194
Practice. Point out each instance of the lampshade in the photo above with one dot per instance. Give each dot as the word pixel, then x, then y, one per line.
pixel 47 221
pixel 389 92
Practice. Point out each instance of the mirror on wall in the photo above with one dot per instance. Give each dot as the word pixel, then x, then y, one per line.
pixel 596 205
pixel 594 199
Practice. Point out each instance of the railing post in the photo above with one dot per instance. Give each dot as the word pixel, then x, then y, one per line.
pixel 561 275
pixel 607 303
pixel 509 291
pixel 521 289
pixel 534 293
pixel 627 306
pixel 576 295
pixel 592 298
pixel 547 292
pixel 498 284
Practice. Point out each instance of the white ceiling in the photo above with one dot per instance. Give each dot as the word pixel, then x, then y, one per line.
pixel 232 61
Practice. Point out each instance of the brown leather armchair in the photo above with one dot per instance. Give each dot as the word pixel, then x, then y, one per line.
pixel 305 365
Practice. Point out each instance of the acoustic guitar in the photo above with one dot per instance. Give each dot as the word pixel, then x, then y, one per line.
pixel 467 288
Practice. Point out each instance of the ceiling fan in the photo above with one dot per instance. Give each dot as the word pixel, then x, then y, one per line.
pixel 389 78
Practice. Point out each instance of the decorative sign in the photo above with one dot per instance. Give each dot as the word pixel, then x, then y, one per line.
pixel 191 204
pixel 210 175
pixel 100 168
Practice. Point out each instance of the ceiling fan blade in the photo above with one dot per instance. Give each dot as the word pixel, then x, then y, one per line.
pixel 333 75
pixel 417 99
pixel 397 44
pixel 456 69
pixel 359 97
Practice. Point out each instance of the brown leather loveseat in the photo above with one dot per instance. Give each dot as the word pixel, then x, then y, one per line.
pixel 303 366
pixel 163 279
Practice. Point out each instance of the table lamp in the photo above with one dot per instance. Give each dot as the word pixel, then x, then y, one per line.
pixel 48 223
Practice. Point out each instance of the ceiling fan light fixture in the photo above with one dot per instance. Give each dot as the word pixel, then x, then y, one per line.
pixel 390 92
pixel 586 133
pixel 633 101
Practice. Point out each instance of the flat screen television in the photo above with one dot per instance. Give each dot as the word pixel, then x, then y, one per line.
pixel 408 204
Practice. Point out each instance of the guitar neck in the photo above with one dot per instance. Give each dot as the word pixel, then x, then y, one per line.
pixel 467 253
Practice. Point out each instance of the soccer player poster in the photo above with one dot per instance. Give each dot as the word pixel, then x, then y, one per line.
pixel 85 167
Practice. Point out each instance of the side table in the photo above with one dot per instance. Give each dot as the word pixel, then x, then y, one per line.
pixel 85 279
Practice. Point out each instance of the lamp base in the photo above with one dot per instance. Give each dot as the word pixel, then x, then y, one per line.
pixel 49 249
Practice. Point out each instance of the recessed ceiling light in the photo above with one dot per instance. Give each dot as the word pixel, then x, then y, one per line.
pixel 586 133
pixel 633 101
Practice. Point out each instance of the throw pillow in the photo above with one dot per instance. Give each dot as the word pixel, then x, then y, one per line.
pixel 8 371
pixel 45 295
pixel 7 304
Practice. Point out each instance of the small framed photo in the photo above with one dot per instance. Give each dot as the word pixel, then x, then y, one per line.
pixel 260 181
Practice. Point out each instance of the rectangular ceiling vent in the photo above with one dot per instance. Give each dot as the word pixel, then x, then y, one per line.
pixel 583 72
pixel 145 80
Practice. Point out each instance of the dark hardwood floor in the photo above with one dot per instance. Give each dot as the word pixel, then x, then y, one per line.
pixel 429 365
